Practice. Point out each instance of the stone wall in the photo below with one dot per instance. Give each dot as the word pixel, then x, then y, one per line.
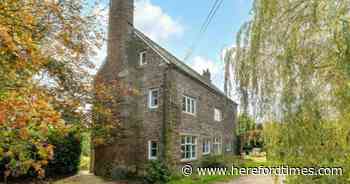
pixel 202 124
pixel 166 123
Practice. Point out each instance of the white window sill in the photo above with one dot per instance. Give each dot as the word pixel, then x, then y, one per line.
pixel 192 114
pixel 206 153
pixel 152 158
pixel 188 159
pixel 153 107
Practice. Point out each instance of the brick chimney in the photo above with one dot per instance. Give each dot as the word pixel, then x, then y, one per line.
pixel 121 18
pixel 206 74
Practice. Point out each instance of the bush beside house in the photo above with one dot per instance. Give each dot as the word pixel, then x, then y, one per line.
pixel 66 160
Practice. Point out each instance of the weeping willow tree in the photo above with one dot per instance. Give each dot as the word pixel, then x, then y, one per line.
pixel 291 67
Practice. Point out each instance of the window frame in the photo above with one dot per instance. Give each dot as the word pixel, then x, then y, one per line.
pixel 142 58
pixel 192 145
pixel 217 115
pixel 150 98
pixel 217 143
pixel 206 144
pixel 150 149
pixel 189 105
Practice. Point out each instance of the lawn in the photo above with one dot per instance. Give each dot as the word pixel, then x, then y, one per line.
pixel 202 179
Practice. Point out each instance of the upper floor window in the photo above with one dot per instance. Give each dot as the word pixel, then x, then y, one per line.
pixel 142 58
pixel 152 150
pixel 217 115
pixel 206 146
pixel 189 104
pixel 153 98
pixel 188 147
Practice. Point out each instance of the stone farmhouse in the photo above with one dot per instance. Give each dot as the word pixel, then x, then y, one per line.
pixel 178 116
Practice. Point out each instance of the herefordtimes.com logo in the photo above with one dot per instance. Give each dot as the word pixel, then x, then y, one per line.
pixel 188 170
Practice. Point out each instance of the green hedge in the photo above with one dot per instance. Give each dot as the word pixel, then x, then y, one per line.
pixel 67 153
pixel 221 161
pixel 66 159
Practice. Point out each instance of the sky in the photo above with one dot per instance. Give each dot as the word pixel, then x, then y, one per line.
pixel 175 24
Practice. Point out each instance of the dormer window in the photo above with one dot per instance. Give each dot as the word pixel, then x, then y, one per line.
pixel 142 58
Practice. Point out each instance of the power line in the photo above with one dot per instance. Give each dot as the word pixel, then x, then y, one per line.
pixel 204 27
pixel 205 23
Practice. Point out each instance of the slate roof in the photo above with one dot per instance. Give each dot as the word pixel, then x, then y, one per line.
pixel 171 59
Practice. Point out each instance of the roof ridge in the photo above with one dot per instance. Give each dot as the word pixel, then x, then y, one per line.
pixel 170 58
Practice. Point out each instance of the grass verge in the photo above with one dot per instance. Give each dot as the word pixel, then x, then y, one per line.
pixel 202 179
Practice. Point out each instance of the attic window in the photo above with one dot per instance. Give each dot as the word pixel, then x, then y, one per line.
pixel 142 58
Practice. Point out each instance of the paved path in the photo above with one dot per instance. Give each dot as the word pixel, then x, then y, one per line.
pixel 252 180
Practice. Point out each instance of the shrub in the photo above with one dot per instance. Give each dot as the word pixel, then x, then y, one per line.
pixel 157 173
pixel 216 161
pixel 67 153
pixel 221 161
pixel 66 160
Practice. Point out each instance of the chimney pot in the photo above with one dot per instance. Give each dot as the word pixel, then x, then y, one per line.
pixel 207 76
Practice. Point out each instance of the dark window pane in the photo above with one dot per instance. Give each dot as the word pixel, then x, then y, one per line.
pixel 188 154
pixel 184 103
pixel 188 109
pixel 154 153
pixel 188 139
pixel 154 145
pixel 192 106
pixel 144 58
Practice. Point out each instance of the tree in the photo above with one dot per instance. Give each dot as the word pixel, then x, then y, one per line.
pixel 245 124
pixel 248 132
pixel 45 49
pixel 292 66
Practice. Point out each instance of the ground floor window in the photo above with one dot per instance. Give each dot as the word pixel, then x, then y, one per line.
pixel 217 145
pixel 188 147
pixel 152 150
pixel 206 146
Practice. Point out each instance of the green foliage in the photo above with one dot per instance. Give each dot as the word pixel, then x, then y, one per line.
pixel 66 159
pixel 221 161
pixel 213 162
pixel 245 123
pixel 202 179
pixel 85 144
pixel 67 151
pixel 292 68
pixel 249 133
pixel 44 80
pixel 157 173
